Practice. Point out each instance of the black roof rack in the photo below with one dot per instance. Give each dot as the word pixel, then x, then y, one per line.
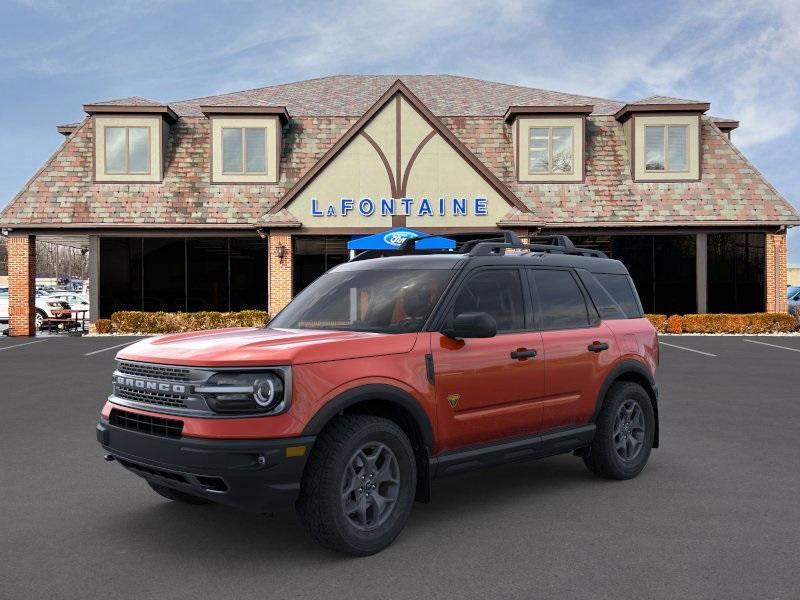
pixel 561 244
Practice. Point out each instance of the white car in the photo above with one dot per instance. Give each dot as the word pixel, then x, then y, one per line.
pixel 76 301
pixel 46 307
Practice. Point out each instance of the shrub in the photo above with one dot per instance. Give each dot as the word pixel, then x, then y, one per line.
pixel 658 321
pixel 674 324
pixel 103 326
pixel 746 323
pixel 131 321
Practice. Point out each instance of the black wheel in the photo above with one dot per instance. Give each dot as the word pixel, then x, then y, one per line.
pixel 177 495
pixel 624 437
pixel 358 487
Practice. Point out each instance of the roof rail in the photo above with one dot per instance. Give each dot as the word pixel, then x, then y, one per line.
pixel 562 245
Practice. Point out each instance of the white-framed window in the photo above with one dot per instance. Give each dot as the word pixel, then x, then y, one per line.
pixel 666 148
pixel 127 150
pixel 550 150
pixel 244 150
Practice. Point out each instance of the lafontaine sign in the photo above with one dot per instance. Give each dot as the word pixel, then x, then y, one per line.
pixel 422 207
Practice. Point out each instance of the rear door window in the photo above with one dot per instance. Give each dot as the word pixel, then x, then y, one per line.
pixel 621 289
pixel 560 301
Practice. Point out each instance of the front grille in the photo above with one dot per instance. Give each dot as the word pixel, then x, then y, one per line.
pixel 171 428
pixel 155 371
pixel 150 397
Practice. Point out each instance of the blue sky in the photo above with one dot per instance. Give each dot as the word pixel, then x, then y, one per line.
pixel 56 55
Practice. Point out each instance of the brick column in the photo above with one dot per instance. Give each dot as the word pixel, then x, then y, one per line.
pixel 775 273
pixel 21 284
pixel 280 271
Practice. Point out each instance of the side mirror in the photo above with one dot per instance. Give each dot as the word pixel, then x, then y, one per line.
pixel 472 325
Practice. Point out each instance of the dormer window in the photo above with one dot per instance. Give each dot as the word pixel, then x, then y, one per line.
pixel 548 142
pixel 666 148
pixel 245 143
pixel 127 150
pixel 129 140
pixel 244 150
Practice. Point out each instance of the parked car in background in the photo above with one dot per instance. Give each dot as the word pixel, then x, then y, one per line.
pixel 47 307
pixel 793 296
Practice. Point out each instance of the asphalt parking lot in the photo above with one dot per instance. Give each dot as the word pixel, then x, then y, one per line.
pixel 714 515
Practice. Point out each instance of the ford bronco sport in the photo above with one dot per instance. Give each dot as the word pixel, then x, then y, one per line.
pixel 386 373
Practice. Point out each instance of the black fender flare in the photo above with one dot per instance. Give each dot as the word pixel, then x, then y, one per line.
pixel 373 391
pixel 627 367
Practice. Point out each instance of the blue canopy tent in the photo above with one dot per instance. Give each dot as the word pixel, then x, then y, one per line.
pixel 393 238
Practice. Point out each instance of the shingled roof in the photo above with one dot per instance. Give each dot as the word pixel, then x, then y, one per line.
pixel 731 191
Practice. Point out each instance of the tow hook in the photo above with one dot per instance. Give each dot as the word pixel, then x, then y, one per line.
pixel 108 457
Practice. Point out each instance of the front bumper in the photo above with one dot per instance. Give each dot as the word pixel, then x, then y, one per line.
pixel 254 475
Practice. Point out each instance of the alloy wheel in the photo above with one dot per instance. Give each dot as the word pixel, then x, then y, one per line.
pixel 370 486
pixel 629 430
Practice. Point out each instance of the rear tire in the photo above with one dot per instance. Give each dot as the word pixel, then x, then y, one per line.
pixel 39 318
pixel 359 485
pixel 624 437
pixel 176 495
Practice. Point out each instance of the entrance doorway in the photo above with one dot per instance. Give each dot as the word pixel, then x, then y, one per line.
pixel 313 255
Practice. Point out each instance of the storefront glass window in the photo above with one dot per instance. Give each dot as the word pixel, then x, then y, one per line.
pixel 663 267
pixel 736 272
pixel 180 274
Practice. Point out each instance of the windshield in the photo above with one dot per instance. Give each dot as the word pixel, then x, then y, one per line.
pixel 381 301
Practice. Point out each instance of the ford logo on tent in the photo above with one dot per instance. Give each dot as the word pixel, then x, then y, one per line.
pixel 396 238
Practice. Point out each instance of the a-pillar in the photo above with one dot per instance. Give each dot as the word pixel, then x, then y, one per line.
pixel 21 284
pixel 280 270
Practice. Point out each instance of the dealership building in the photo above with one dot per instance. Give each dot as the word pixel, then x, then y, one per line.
pixel 240 200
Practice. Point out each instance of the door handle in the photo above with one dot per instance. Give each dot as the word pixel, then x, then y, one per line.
pixel 597 347
pixel 523 353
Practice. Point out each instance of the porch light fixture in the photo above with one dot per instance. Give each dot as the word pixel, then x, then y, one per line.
pixel 280 252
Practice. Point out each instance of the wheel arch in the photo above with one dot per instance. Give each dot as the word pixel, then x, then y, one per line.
pixel 391 403
pixel 635 372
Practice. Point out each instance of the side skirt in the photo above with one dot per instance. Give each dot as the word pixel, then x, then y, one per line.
pixel 540 445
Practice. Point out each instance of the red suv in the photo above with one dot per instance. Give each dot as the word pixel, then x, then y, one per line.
pixel 386 373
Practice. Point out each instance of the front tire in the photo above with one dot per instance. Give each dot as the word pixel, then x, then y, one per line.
pixel 39 318
pixel 624 437
pixel 359 485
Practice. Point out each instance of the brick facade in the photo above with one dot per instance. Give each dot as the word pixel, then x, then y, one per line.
pixel 280 271
pixel 776 270
pixel 22 284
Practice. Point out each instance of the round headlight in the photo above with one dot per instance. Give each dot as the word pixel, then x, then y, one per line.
pixel 264 392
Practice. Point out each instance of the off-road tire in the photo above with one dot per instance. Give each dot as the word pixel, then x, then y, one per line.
pixel 176 495
pixel 320 503
pixel 602 457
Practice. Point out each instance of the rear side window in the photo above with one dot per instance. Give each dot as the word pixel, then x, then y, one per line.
pixel 497 292
pixel 621 289
pixel 560 300
pixel 606 306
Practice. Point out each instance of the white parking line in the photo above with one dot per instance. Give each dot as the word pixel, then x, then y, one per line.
pixel 687 349
pixel 110 348
pixel 20 345
pixel 771 345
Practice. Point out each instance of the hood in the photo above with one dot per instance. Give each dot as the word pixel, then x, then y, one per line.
pixel 241 347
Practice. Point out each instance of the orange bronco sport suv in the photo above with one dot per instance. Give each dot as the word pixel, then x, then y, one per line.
pixel 386 373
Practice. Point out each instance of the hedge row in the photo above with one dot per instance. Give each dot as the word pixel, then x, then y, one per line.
pixel 131 321
pixel 726 323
